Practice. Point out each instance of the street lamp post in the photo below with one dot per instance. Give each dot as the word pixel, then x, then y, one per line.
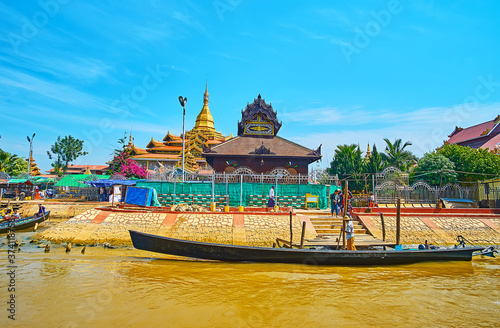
pixel 30 140
pixel 183 102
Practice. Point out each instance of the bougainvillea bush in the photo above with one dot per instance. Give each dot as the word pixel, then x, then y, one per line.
pixel 123 164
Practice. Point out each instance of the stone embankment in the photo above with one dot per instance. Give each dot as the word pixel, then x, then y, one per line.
pixel 111 225
pixel 58 210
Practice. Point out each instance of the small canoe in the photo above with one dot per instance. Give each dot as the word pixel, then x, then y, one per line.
pixel 25 223
pixel 235 253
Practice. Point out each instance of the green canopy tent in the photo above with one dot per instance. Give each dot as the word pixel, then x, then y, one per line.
pixel 44 181
pixel 20 181
pixel 78 180
pixel 74 186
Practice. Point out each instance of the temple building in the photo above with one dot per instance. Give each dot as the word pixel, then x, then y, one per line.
pixel 168 152
pixel 485 135
pixel 258 149
pixel 33 169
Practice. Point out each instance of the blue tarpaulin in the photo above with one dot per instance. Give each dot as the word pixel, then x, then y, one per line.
pixel 138 196
pixel 108 183
pixel 142 196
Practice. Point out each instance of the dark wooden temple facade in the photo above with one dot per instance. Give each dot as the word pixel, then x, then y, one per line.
pixel 257 148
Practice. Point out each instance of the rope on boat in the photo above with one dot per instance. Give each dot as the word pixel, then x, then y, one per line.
pixel 474 242
pixel 489 251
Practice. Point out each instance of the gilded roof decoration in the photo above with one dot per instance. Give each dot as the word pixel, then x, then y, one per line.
pixel 259 106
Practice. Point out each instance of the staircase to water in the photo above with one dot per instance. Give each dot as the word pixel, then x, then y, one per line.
pixel 328 226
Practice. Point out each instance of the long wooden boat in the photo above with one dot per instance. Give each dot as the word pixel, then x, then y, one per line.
pixel 25 223
pixel 235 253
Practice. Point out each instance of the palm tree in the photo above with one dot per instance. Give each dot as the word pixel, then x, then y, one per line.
pixel 6 160
pixel 396 155
pixel 344 161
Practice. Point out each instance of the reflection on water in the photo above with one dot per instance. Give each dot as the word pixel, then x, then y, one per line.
pixel 131 288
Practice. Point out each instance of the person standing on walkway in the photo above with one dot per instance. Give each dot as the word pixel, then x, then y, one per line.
pixel 340 202
pixel 271 201
pixel 349 205
pixel 349 229
pixel 334 199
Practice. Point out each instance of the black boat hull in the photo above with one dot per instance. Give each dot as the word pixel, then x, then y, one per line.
pixel 235 253
pixel 24 223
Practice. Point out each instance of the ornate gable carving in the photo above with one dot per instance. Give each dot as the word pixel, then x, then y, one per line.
pixel 457 129
pixel 316 152
pixel 262 150
pixel 259 106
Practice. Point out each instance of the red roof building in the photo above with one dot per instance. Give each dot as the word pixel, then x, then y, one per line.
pixel 485 135
pixel 82 169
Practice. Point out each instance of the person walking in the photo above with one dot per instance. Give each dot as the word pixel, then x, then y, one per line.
pixel 271 202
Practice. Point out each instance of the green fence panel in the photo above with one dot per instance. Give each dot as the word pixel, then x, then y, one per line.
pixel 234 190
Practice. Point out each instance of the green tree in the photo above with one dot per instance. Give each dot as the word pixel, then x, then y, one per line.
pixel 436 169
pixel 472 164
pixel 347 162
pixel 396 155
pixel 374 163
pixel 65 151
pixel 12 164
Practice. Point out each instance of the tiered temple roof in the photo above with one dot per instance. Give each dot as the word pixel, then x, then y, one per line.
pixel 169 149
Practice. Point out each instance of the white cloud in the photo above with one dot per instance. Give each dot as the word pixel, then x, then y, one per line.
pixel 17 81
pixel 426 128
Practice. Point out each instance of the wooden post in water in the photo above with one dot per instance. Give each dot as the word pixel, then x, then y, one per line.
pixel 291 229
pixel 398 222
pixel 383 225
pixel 344 216
pixel 302 235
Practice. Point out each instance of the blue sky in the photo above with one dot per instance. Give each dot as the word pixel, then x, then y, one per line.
pixel 336 72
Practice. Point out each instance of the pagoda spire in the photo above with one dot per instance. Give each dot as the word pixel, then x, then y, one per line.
pixel 204 120
pixel 130 142
pixel 33 169
pixel 368 152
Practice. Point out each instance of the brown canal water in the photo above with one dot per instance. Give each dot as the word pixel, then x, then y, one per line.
pixel 131 288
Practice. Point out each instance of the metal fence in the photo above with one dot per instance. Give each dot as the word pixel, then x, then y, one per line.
pixel 392 184
pixel 387 186
pixel 277 176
